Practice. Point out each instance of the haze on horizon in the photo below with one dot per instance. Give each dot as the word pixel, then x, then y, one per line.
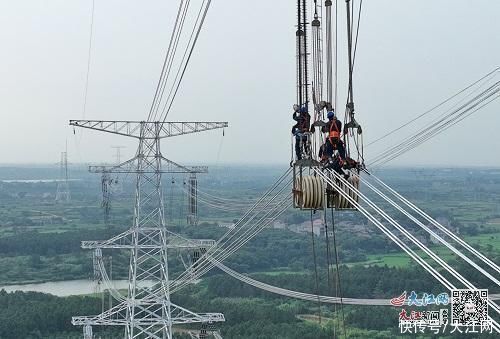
pixel 411 55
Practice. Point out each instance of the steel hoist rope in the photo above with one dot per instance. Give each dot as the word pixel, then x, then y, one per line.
pixel 337 267
pixel 329 270
pixel 316 278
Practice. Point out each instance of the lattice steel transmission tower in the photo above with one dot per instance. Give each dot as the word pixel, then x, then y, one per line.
pixel 62 193
pixel 146 311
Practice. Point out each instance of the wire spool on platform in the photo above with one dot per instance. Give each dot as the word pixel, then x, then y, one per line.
pixel 309 193
pixel 342 203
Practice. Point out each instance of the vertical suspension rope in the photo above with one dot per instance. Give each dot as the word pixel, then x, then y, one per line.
pixel 315 267
pixel 89 56
pixel 314 45
pixel 317 60
pixel 330 285
pixel 110 301
pixel 329 269
pixel 298 69
pixel 349 112
pixel 306 77
pixel 338 273
pixel 357 34
pixel 299 35
pixel 102 301
pixel 349 50
pixel 317 67
pixel 329 75
pixel 320 58
pixel 336 55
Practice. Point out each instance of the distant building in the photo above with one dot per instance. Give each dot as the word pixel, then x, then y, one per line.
pixel 354 227
pixel 229 225
pixel 278 224
pixel 447 224
pixel 305 227
pixel 46 219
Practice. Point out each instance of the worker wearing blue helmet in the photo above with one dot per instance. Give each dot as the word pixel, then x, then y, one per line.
pixel 334 129
pixel 303 118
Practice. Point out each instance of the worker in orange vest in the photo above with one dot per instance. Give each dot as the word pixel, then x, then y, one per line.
pixel 333 142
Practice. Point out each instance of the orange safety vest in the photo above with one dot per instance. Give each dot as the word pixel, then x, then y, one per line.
pixel 334 133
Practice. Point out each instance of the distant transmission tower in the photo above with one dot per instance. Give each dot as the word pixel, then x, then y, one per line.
pixel 62 194
pixel 146 311
pixel 118 155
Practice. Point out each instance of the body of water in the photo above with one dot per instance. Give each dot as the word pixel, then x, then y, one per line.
pixel 64 288
pixel 37 180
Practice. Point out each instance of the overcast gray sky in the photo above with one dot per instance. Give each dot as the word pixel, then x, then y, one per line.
pixel 411 55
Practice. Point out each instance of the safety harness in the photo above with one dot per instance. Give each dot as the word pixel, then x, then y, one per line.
pixel 333 133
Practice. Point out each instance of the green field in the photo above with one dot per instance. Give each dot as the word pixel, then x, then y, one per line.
pixel 401 259
pixel 492 239
pixel 391 260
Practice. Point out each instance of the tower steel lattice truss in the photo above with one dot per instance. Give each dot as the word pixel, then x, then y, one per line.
pixel 192 217
pixel 110 185
pixel 62 193
pixel 147 311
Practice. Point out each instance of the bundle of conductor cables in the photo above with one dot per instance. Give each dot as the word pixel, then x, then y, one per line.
pixel 449 113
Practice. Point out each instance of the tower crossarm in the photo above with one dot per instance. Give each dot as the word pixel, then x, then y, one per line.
pixel 130 166
pixel 133 128
pixel 172 167
pixel 172 129
pixel 150 238
pixel 116 316
pixel 199 243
